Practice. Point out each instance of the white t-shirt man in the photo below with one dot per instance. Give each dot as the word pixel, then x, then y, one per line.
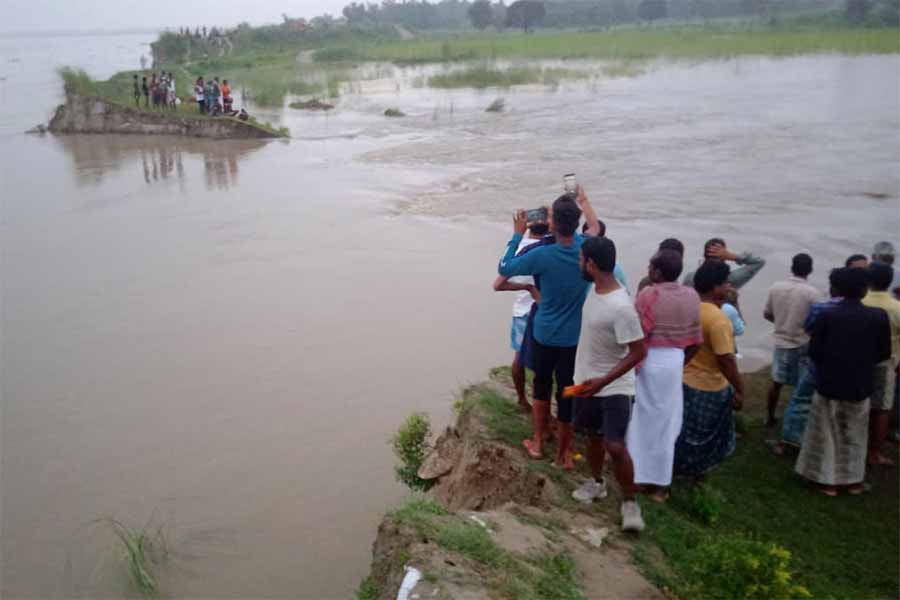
pixel 523 302
pixel 609 322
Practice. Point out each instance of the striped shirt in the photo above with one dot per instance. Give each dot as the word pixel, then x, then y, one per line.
pixel 670 315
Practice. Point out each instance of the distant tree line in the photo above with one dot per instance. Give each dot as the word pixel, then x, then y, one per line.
pixel 527 14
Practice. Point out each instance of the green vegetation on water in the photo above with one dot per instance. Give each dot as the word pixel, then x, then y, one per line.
pixel 752 520
pixel 485 76
pixel 143 548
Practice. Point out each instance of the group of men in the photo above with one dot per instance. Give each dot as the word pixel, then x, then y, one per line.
pixel 841 354
pixel 213 98
pixel 160 90
pixel 658 380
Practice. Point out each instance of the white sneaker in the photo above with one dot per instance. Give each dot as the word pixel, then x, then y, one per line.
pixel 631 516
pixel 590 490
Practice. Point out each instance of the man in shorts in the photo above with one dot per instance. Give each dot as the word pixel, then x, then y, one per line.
pixel 558 318
pixel 526 295
pixel 610 346
pixel 879 276
pixel 787 307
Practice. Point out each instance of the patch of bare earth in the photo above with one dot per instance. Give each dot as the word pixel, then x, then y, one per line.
pixel 525 508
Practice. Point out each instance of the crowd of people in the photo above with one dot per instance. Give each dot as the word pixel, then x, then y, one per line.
pixel 653 381
pixel 213 98
pixel 158 90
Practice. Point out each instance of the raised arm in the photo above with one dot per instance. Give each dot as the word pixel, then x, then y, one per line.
pixel 750 264
pixel 525 264
pixel 589 215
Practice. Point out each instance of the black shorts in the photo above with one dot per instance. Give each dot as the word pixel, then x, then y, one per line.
pixel 607 416
pixel 549 361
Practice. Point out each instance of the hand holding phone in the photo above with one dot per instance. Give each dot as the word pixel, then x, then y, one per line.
pixel 570 184
pixel 537 215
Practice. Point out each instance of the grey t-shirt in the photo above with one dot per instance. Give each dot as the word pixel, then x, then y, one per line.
pixel 609 322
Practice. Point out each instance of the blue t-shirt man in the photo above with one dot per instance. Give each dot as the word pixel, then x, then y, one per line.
pixel 563 289
pixel 552 321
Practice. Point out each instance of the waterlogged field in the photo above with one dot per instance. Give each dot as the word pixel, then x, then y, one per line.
pixel 268 77
pixel 622 44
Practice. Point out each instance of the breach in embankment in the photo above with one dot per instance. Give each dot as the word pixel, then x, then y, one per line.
pixel 88 109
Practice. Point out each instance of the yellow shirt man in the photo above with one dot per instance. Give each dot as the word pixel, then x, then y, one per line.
pixel 884 301
pixel 703 372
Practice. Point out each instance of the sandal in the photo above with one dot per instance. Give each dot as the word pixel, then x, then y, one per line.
pixel 776 447
pixel 859 489
pixel 828 491
pixel 660 496
pixel 529 447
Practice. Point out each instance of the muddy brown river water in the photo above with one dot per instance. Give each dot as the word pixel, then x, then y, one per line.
pixel 220 337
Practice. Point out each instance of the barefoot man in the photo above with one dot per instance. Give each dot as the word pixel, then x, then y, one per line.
pixel 558 318
pixel 526 295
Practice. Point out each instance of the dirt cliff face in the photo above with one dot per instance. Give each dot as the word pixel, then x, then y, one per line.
pixel 82 114
pixel 499 525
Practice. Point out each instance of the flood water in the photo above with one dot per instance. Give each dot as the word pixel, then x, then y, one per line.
pixel 219 338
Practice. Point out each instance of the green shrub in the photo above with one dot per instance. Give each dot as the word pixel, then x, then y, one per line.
pixel 410 445
pixel 706 503
pixel 368 590
pixel 77 81
pixel 394 112
pixel 733 566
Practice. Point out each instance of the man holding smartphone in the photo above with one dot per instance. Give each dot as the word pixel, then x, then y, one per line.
pixel 526 295
pixel 558 320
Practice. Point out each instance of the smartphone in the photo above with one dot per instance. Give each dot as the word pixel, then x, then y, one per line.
pixel 570 184
pixel 536 215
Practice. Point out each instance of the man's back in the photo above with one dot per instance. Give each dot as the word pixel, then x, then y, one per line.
pixel 848 340
pixel 558 273
pixel 788 306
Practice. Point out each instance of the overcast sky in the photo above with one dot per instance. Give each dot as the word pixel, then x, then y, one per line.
pixel 29 15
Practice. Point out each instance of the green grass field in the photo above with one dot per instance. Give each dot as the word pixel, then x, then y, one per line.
pixel 675 42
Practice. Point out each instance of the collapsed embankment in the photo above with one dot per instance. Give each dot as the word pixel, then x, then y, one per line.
pixel 86 114
pixel 496 524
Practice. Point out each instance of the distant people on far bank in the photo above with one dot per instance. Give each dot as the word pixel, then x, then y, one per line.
pixel 787 306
